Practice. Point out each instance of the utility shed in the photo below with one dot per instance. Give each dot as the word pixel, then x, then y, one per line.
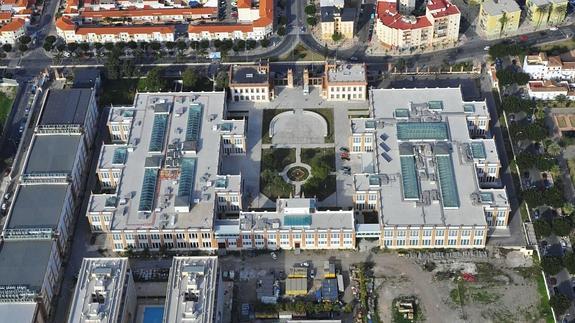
pixel 296 286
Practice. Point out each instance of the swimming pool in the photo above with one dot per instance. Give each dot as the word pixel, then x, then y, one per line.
pixel 153 314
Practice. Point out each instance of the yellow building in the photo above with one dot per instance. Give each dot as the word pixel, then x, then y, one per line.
pixel 546 12
pixel 498 18
pixel 334 20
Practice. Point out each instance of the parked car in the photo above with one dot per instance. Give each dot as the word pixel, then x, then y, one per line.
pixel 274 256
pixel 344 149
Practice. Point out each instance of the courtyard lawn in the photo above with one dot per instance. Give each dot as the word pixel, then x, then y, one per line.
pixel 273 162
pixel 322 183
pixel 6 101
pixel 328 116
pixel 267 117
pixel 118 92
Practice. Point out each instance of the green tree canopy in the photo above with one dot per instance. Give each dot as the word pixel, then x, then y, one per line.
pixel 551 265
pixel 542 228
pixel 154 82
pixel 560 303
pixel 562 226
pixel 310 10
pixel 569 262
pixel 190 79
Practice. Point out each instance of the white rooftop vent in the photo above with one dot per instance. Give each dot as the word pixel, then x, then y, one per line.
pixel 249 75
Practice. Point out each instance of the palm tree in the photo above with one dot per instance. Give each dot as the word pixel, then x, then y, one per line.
pixel 554 149
pixel 540 10
pixel 560 11
pixel 503 21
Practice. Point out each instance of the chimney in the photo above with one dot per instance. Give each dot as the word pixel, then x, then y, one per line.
pixel 290 78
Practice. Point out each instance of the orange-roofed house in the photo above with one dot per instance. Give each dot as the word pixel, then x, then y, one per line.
pixel 10 32
pixel 5 17
pixel 150 15
pixel 254 22
pixel 438 28
pixel 15 6
pixel 112 34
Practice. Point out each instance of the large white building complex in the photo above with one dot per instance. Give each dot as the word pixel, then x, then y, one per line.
pixel 427 169
pixel 104 292
pixel 425 172
pixel 194 291
pixel 37 232
pixel 543 67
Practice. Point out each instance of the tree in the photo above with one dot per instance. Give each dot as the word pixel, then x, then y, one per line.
pixel 72 47
pixel 251 44
pixel 109 46
pixel 50 39
pixel 112 65
pixel 132 45
pixel 155 46
pixel 336 37
pixel 265 42
pixel 25 40
pixel 282 21
pixel 542 228
pixel 551 265
pixel 554 149
pixel 205 44
pixel 560 303
pixel 60 47
pixel 310 10
pixel 84 47
pixel 190 78
pixel 170 45
pixel 312 21
pixel 569 262
pixel 281 31
pixel 154 82
pixel 567 209
pixel 195 45
pixel 181 45
pixel 22 48
pixel 7 48
pixel 539 10
pixel 562 226
pixel 561 98
pixel 221 80
pixel 48 46
pixel 98 46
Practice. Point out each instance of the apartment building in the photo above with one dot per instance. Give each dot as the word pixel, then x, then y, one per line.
pixel 427 171
pixel 336 20
pixel 105 292
pixel 255 21
pixel 12 30
pixel 344 82
pixel 71 33
pixel 161 175
pixel 195 290
pixel 550 90
pixel 250 82
pixel 492 23
pixel 545 67
pixel 438 28
pixel 541 13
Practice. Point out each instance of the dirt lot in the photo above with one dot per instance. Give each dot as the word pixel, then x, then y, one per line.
pixel 499 294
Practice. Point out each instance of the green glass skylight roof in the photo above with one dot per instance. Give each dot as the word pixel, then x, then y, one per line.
pixel 297 220
pixel 120 155
pixel 422 131
pixel 478 150
pixel 370 124
pixel 127 113
pixel 401 113
pixel 374 181
pixel 158 133
pixel 148 190
pixel 435 105
pixel 469 108
pixel 221 182
pixel 194 122
pixel 409 178
pixel 187 173
pixel 226 127
pixel 486 197
pixel 447 182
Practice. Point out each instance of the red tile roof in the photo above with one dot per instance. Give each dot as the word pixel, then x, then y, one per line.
pixel 5 15
pixel 13 25
pixel 64 23
pixel 389 16
pixel 133 30
pixel 148 12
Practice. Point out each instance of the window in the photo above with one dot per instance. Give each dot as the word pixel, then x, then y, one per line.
pixel 401 233
pixel 466 233
pixel 478 241
pixel 427 233
pixel 453 233
pixel 388 233
pixel 401 242
pixel 271 236
pixel 335 236
pixel 451 242
pixel 142 237
pixel 439 242
pixel 464 242
pixel 206 244
pixel 426 242
pixel 116 236
pixel 297 236
pixel 246 236
pixel 118 246
pixel 413 242
pixel 439 233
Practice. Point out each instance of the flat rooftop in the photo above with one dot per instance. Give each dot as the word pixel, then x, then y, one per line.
pixel 347 73
pixel 52 154
pixel 192 289
pixel 66 107
pixel 37 206
pixel 297 213
pixel 245 74
pixel 501 6
pixel 170 163
pixel 24 263
pixel 106 278
pixel 424 159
